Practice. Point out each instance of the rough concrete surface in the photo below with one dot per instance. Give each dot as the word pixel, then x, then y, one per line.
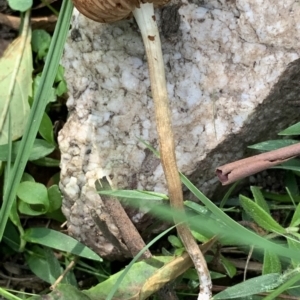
pixel 232 71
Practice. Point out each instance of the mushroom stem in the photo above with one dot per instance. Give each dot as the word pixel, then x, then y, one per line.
pixel 147 23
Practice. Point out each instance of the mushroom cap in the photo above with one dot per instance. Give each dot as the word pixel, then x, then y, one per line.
pixel 107 11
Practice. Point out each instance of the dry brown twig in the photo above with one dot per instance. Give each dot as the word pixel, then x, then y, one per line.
pixel 47 22
pixel 69 267
pixel 240 169
pixel 129 233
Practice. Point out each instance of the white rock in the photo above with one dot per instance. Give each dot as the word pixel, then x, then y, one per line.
pixel 229 82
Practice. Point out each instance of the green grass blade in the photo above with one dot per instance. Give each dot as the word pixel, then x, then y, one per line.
pixel 259 198
pixel 241 234
pixel 250 287
pixel 292 130
pixel 59 241
pixel 8 295
pixel 38 108
pixel 8 165
pixel 281 289
pixel 134 195
pixel 228 193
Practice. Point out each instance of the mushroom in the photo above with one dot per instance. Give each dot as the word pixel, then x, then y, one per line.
pixel 105 11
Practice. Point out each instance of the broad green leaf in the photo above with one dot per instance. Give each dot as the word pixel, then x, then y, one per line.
pixel 132 283
pixel 292 130
pixel 54 179
pixel 38 107
pixel 119 280
pixel 15 219
pixel 11 237
pixel 175 241
pixel 259 284
pixel 34 195
pixel 191 274
pixel 43 263
pixel 15 87
pixel 199 237
pixel 197 207
pixel 261 217
pixel 39 266
pixel 259 199
pixel 63 292
pixel 57 216
pixel 294 290
pixel 179 251
pixel 57 240
pixel 273 144
pixel 46 129
pixel 60 75
pixel 51 95
pixel 47 162
pixel 40 149
pixel 229 266
pixel 271 263
pixel 296 217
pixel 61 88
pixel 213 275
pixel 55 270
pixel 27 177
pixel 55 198
pixel 40 42
pixel 30 210
pixel 21 5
